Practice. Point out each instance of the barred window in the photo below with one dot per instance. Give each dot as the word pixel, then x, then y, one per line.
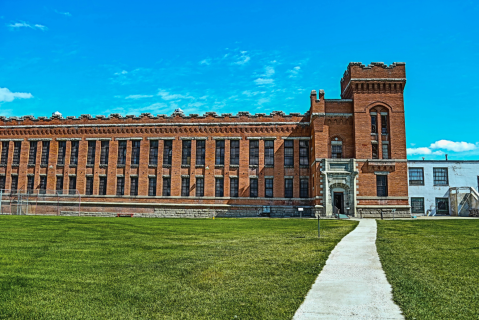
pixel 253 188
pixel 234 187
pixel 268 188
pixel 62 145
pixel 336 149
pixel 14 186
pixel 153 152
pixel 220 152
pixel 185 187
pixel 32 155
pixel 385 151
pixel 122 152
pixel 133 186
pixel 45 153
pixel 17 149
pixel 219 187
pixel 59 186
pixel 269 153
pixel 289 153
pixel 375 150
pixel 384 123
pixel 5 146
pixel 186 153
pixel 72 186
pixel 288 188
pixel 200 187
pixel 440 176
pixel 253 152
pixel 303 153
pixel 417 205
pixel 374 123
pixel 2 183
pixel 104 153
pixel 43 184
pixel 30 183
pixel 304 188
pixel 91 153
pixel 152 186
pixel 167 152
pixel 442 205
pixel 234 152
pixel 200 152
pixel 89 186
pixel 135 152
pixel 120 186
pixel 166 187
pixel 416 176
pixel 382 185
pixel 102 186
pixel 74 152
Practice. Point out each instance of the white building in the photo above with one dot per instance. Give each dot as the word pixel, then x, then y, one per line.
pixel 443 187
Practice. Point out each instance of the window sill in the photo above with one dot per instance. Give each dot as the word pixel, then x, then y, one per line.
pixel 253 166
pixel 199 165
pixel 120 165
pixel 15 165
pixel 234 165
pixel 167 166
pixel 31 165
pixel 185 165
pixel 103 166
pixel 90 165
pixel 152 165
pixel 304 166
pixel 60 165
pixel 268 166
pixel 73 165
pixel 219 165
pixel 3 165
pixel 289 166
pixel 43 165
pixel 441 185
pixel 415 184
pixel 134 165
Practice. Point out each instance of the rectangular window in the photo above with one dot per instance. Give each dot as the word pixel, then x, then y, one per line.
pixel 43 184
pixel 17 149
pixel 234 152
pixel 120 186
pixel 186 153
pixel 2 183
pixel 135 152
pixel 72 186
pixel 288 188
pixel 234 187
pixel 91 153
pixel 374 123
pixel 200 187
pixel 121 152
pixel 152 186
pixel 385 151
pixel 166 187
pixel 382 185
pixel 304 188
pixel 14 186
pixel 416 176
pixel 45 153
pixel 375 151
pixel 289 153
pixel 268 188
pixel 253 188
pixel 200 152
pixel 105 151
pixel 253 152
pixel 89 186
pixel 417 205
pixel 153 152
pixel 167 152
pixel 62 146
pixel 384 123
pixel 5 146
pixel 336 149
pixel 185 187
pixel 219 187
pixel 102 186
pixel 442 205
pixel 30 183
pixel 440 176
pixel 303 153
pixel 32 155
pixel 220 152
pixel 269 153
pixel 59 186
pixel 133 186
pixel 74 152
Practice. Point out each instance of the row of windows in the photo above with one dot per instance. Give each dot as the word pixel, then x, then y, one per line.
pixel 440 176
pixel 441 205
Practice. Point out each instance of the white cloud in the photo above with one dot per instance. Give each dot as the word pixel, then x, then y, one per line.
pixel 423 150
pixel 263 81
pixel 139 96
pixel 453 146
pixel 121 72
pixel 205 62
pixel 68 14
pixel 293 73
pixel 165 95
pixel 8 96
pixel 268 71
pixel 24 24
pixel 242 59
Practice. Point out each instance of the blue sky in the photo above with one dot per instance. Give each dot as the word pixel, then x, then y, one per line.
pixel 102 57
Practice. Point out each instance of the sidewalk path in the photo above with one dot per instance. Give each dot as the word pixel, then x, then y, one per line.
pixel 352 284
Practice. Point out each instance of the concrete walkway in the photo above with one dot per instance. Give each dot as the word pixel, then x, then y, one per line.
pixel 352 284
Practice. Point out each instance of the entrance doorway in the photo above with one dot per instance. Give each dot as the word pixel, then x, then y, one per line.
pixel 338 202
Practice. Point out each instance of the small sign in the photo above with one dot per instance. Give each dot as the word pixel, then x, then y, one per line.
pixel 300 209
pixel 266 209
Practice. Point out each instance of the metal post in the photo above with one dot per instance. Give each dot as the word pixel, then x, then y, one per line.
pixel 319 234
pixel 381 214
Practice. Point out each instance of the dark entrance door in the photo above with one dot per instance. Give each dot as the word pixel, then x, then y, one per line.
pixel 338 202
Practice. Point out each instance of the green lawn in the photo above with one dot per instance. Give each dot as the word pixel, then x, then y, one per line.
pixel 433 267
pixel 121 268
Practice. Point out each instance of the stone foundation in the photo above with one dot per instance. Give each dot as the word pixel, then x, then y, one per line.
pixel 387 213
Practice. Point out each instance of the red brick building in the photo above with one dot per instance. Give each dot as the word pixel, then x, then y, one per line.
pixel 347 153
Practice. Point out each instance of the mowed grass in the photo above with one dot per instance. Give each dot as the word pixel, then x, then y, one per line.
pixel 123 268
pixel 433 267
